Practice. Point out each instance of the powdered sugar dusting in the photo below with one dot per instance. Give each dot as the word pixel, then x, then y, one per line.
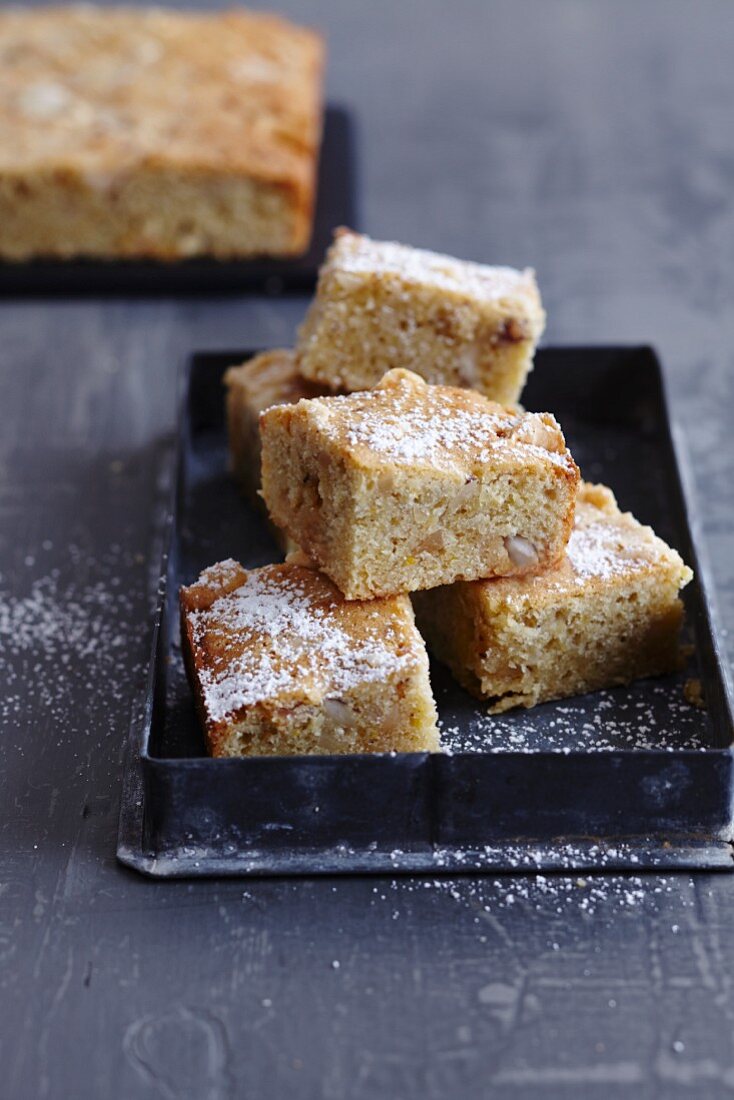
pixel 605 545
pixel 597 550
pixel 483 898
pixel 220 573
pixel 424 435
pixel 276 636
pixel 61 635
pixel 356 254
pixel 408 422
pixel 654 716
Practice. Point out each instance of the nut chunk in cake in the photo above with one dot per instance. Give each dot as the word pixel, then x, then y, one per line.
pixel 270 378
pixel 409 486
pixel 381 305
pixel 608 614
pixel 281 664
pixel 166 134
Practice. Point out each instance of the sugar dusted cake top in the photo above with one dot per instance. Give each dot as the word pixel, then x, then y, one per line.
pixel 104 87
pixel 605 544
pixel 403 421
pixel 354 253
pixel 284 632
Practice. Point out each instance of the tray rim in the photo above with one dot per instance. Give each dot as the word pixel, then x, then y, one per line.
pixel 698 562
pixel 718 853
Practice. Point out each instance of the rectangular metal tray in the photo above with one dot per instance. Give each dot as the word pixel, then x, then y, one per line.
pixel 630 778
pixel 336 204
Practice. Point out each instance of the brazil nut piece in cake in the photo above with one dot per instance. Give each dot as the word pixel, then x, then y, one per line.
pixel 607 614
pixel 141 132
pixel 381 305
pixel 409 486
pixel 281 664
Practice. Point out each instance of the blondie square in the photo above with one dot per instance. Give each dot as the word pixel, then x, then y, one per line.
pixel 609 613
pixel 381 305
pixel 153 133
pixel 410 486
pixel 281 664
pixel 270 378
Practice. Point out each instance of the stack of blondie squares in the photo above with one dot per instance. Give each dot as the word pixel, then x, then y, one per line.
pixel 417 504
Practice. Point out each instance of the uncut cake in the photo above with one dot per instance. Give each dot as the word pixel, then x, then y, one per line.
pixel 281 664
pixel 607 614
pixel 409 486
pixel 381 305
pixel 145 132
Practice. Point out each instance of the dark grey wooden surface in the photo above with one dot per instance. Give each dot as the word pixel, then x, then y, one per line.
pixel 594 141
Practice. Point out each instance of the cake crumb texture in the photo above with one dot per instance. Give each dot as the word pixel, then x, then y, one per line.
pixel 381 305
pixel 409 486
pixel 607 614
pixel 268 379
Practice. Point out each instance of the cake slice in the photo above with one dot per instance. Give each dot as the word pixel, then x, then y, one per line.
pixel 607 614
pixel 410 486
pixel 281 664
pixel 381 305
pixel 143 132
pixel 270 378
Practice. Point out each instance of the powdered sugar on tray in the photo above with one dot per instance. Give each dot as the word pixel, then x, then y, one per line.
pixel 285 632
pixel 661 719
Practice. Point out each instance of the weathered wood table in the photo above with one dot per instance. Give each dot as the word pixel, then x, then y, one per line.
pixel 595 142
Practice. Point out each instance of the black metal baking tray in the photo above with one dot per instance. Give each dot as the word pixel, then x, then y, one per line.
pixel 336 204
pixel 630 778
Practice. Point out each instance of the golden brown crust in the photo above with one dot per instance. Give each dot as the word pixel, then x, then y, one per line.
pixel 268 379
pixel 608 613
pixel 381 305
pixel 277 650
pixel 605 545
pixel 405 421
pixel 218 580
pixel 104 103
pixel 409 486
